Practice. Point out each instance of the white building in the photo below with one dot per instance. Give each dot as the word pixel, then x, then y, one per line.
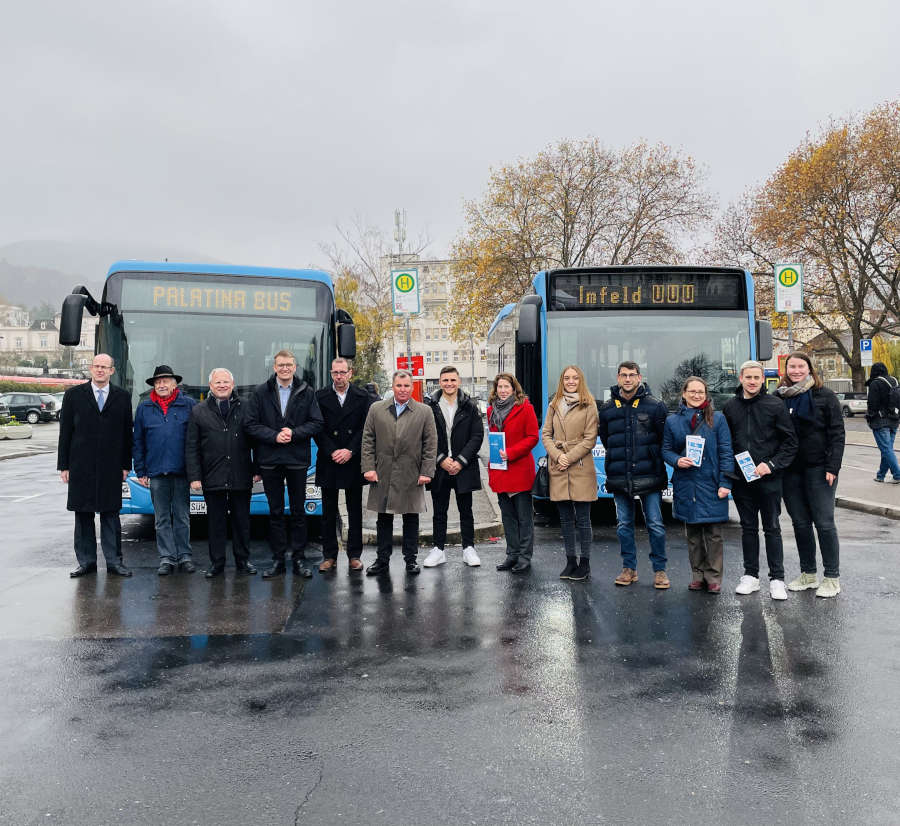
pixel 36 339
pixel 430 332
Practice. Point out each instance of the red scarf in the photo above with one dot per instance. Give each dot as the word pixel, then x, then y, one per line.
pixel 166 402
pixel 698 413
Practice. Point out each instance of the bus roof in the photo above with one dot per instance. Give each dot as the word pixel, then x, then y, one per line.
pixel 218 269
pixel 500 316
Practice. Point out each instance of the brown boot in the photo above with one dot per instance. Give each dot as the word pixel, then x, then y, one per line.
pixel 627 576
pixel 660 580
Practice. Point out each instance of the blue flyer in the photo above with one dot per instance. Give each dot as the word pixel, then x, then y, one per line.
pixel 496 443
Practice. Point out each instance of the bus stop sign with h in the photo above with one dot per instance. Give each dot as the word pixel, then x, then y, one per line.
pixel 789 294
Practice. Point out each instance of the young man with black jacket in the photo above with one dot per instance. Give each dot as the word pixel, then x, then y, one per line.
pixel 760 425
pixel 282 416
pixel 460 433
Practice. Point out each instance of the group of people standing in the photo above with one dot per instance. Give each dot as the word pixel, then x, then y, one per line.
pixel 759 449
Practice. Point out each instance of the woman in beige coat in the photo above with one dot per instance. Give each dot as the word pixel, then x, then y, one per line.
pixel 569 435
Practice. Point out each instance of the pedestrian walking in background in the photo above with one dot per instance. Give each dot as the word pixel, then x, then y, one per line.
pixel 810 482
pixel 512 414
pixel 282 416
pixel 764 444
pixel 399 448
pixel 631 427
pixel 219 463
pixel 701 487
pixel 569 435
pixel 883 417
pixel 344 407
pixel 460 433
pixel 160 433
pixel 93 459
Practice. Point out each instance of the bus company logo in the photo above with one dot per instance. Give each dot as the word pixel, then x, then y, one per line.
pixel 679 294
pixel 788 277
pixel 221 298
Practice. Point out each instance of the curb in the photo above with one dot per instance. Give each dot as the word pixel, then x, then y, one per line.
pixel 863 506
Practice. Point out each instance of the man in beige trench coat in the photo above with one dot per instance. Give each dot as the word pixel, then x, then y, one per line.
pixel 399 447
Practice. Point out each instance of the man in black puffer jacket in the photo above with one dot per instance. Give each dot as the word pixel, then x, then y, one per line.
pixel 219 462
pixel 282 416
pixel 760 425
pixel 630 425
pixel 460 433
pixel 883 419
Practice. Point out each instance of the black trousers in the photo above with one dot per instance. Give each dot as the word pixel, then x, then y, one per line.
pixel 330 521
pixel 518 523
pixel 86 537
pixel 222 507
pixel 440 500
pixel 274 480
pixel 385 535
pixel 754 505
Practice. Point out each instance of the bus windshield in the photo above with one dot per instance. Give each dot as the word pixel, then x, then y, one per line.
pixel 234 323
pixel 669 347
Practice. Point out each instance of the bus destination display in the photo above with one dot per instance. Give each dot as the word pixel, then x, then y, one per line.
pixel 647 291
pixel 296 301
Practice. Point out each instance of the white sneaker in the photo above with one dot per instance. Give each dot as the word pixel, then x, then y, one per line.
pixel 830 587
pixel 747 585
pixel 435 557
pixel 777 589
pixel 470 557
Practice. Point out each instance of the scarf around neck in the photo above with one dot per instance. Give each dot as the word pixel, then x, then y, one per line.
pixel 568 401
pixel 500 410
pixel 698 413
pixel 798 398
pixel 166 402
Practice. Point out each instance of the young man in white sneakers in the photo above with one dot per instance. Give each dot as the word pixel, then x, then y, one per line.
pixel 460 433
pixel 761 426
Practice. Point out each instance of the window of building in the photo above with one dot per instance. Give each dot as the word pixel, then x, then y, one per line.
pixel 428 333
pixel 445 333
pixel 428 357
pixel 18 343
pixel 446 357
pixel 43 342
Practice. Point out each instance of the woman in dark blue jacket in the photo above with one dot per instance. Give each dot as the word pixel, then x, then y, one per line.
pixel 701 491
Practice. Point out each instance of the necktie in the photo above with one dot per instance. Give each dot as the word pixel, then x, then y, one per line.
pixel 100 394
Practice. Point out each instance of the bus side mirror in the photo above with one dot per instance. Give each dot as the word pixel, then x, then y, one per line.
pixel 70 322
pixel 346 340
pixel 763 340
pixel 529 319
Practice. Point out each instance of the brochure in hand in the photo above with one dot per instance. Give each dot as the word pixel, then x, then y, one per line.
pixel 694 448
pixel 747 465
pixel 496 443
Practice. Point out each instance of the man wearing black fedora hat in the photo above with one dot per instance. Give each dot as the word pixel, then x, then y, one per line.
pixel 160 428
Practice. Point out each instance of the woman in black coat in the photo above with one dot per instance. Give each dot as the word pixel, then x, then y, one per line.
pixel 810 482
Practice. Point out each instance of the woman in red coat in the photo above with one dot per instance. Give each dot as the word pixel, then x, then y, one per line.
pixel 511 413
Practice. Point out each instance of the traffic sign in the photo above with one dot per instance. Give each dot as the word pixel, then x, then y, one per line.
pixel 417 368
pixel 405 291
pixel 865 352
pixel 789 288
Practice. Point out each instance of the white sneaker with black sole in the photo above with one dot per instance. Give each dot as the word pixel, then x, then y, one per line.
pixel 435 557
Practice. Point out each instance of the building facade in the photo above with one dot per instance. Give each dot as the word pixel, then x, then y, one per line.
pixel 22 339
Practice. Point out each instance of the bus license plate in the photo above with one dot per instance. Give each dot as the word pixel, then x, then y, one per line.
pixel 198 508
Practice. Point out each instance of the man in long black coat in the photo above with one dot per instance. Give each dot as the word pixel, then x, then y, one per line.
pixel 93 458
pixel 344 407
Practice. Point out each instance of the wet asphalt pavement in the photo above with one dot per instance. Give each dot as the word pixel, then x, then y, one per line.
pixel 461 696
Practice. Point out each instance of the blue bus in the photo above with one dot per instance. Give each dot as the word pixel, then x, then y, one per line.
pixel 673 321
pixel 196 317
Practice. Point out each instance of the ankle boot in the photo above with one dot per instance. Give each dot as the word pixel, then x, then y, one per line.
pixel 583 571
pixel 571 566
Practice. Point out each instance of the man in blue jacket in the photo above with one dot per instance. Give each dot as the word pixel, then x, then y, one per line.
pixel 160 428
pixel 631 425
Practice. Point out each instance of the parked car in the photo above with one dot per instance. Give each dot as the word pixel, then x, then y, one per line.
pixel 28 407
pixel 852 403
pixel 59 401
pixel 4 411
pixel 50 400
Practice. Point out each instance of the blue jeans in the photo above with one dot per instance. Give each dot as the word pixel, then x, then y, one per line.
pixel 651 503
pixel 884 438
pixel 171 498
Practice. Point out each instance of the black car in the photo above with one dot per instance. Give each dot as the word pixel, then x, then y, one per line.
pixel 28 407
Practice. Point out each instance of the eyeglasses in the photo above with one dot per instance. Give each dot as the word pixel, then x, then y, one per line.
pixel 695 392
pixel 340 372
pixel 282 366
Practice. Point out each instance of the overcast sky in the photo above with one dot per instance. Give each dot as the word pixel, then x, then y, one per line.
pixel 247 130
